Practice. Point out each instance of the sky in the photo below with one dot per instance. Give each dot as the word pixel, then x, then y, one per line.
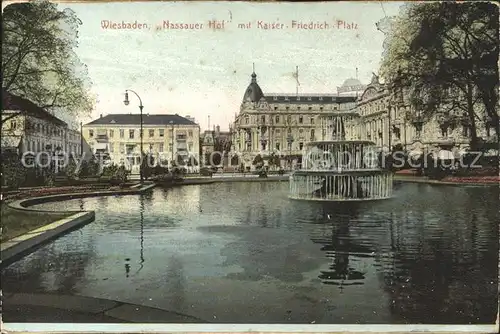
pixel 205 72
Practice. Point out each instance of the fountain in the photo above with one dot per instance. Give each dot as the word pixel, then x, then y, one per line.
pixel 339 170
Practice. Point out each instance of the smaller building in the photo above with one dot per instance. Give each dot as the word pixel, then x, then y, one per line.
pixel 28 128
pixel 170 139
pixel 215 146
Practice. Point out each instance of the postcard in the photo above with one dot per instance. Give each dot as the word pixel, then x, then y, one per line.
pixel 246 166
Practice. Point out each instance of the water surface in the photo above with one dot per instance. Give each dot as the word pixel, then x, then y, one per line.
pixel 245 253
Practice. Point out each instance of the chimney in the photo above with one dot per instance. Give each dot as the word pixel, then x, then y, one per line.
pixel 217 129
pixel 101 115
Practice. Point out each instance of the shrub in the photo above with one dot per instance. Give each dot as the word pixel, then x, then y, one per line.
pixel 205 171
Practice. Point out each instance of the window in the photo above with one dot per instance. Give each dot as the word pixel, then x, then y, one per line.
pixel 321 98
pixel 298 108
pixel 13 125
pixel 308 99
pixel 312 120
pixel 190 147
pixel 321 108
pixel 275 98
pixel 111 133
pixel 170 147
pixel 122 147
pixel 310 108
pixel 190 133
pixel 275 108
pixel 301 146
pixel 111 148
pixel 162 132
pixel 278 146
pixel 131 134
pixel 286 98
pixel 263 119
pixel 247 119
pixel 289 118
pixel 91 133
pixel 277 119
pixel 301 119
pixel 298 98
pixel 312 134
pixel 151 133
pixel 162 147
pixel 287 108
pixel 301 130
pixel 122 133
pixel 335 107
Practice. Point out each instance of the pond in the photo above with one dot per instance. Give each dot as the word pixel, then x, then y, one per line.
pixel 245 253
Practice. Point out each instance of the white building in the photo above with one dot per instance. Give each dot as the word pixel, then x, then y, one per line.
pixel 390 120
pixel 116 137
pixel 281 124
pixel 29 128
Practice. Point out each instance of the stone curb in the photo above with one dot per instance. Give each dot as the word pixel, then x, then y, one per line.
pixel 207 180
pixel 18 246
pixel 98 306
pixel 445 183
pixel 21 245
pixel 24 204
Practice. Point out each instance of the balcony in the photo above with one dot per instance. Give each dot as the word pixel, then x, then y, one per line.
pixel 102 138
pixel 181 137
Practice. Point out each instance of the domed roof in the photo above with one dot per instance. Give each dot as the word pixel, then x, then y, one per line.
pixel 351 82
pixel 253 92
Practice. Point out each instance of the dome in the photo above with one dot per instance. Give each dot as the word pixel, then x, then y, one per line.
pixel 253 92
pixel 351 82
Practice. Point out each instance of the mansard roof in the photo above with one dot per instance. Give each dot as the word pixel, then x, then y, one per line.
pixel 147 119
pixel 308 98
pixel 11 102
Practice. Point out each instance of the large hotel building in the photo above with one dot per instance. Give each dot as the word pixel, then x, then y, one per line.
pixel 283 123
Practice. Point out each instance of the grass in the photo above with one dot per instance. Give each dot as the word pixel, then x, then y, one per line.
pixel 15 222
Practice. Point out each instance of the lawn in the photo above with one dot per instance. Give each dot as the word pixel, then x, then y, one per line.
pixel 15 222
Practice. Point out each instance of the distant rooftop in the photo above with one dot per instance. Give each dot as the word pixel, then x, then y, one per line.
pixel 147 119
pixel 17 103
pixel 308 98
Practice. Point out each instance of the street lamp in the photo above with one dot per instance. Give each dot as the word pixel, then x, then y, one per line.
pixel 290 140
pixel 126 102
pixel 172 140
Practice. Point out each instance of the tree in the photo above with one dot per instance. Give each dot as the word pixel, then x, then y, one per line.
pixel 38 58
pixel 274 160
pixel 444 56
pixel 258 161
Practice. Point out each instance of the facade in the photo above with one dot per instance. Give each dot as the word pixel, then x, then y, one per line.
pixel 384 118
pixel 215 140
pixel 207 145
pixel 29 128
pixel 116 138
pixel 282 124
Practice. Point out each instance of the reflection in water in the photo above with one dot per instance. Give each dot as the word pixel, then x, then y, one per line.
pixel 338 246
pixel 429 255
pixel 141 208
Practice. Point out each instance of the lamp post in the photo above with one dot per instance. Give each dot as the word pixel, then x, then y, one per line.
pixel 81 139
pixel 289 140
pixel 126 102
pixel 172 141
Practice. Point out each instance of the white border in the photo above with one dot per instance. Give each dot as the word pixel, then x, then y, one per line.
pixel 230 328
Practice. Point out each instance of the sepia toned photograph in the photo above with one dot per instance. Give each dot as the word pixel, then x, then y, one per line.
pixel 244 163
